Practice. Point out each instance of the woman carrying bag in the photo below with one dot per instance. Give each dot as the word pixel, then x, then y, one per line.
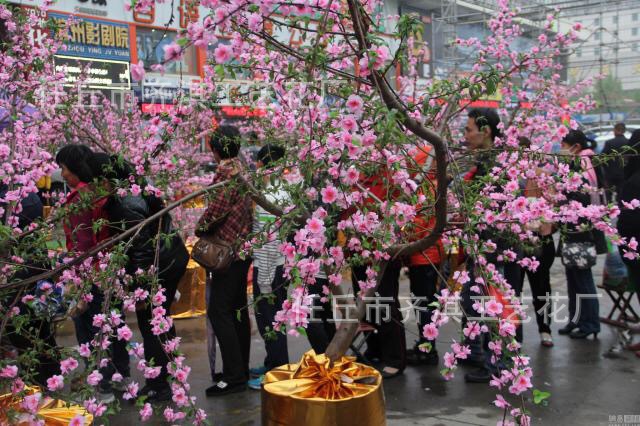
pixel 223 227
pixel 578 248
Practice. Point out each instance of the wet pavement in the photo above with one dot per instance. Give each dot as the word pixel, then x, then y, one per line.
pixel 588 384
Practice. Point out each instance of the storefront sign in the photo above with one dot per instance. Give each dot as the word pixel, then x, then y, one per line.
pixel 163 90
pixel 103 75
pixel 98 2
pixel 243 111
pixel 92 38
pixel 157 108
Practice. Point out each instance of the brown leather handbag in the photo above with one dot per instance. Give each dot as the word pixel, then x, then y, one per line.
pixel 212 252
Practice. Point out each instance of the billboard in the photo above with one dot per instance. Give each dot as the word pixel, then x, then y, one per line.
pixel 93 38
pixel 103 75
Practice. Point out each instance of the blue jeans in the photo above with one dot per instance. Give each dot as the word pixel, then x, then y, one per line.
pixel 585 314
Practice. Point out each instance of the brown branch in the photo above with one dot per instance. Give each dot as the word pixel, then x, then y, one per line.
pixel 276 22
pixel 344 335
pixel 387 95
pixel 286 49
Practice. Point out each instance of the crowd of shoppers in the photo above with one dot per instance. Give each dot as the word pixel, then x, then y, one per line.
pixel 232 216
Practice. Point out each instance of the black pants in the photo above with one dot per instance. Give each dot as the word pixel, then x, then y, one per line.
pixel 423 281
pixel 276 343
pixel 86 332
pixel 389 343
pixel 633 269
pixel 228 295
pixel 169 277
pixel 322 327
pixel 38 328
pixel 540 282
pixel 480 345
pixel 42 331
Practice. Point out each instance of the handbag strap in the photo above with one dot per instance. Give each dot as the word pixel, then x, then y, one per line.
pixel 218 224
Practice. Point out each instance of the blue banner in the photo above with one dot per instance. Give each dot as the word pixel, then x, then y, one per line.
pixel 93 38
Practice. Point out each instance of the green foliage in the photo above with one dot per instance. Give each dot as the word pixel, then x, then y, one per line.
pixel 220 70
pixel 409 25
pixel 541 397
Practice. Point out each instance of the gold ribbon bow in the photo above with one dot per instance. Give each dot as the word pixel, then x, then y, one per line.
pixel 54 412
pixel 314 377
pixel 315 393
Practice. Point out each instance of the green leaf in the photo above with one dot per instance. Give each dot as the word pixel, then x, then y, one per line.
pixel 302 331
pixel 491 86
pixel 427 346
pixel 219 69
pixel 540 396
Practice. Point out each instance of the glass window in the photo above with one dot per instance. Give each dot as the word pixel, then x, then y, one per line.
pixel 598 35
pixel 596 22
pixel 634 32
pixel 634 16
pixel 596 51
pixel 615 19
pixel 150 44
pixel 634 47
pixel 578 52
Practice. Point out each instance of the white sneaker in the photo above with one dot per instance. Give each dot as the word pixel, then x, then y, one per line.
pixel 546 340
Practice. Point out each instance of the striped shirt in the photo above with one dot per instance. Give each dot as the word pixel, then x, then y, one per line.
pixel 268 257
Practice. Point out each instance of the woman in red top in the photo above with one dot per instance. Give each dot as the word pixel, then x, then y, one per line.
pixel 78 225
pixel 82 213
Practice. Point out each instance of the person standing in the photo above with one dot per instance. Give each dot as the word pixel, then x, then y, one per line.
pixel 423 265
pixel 629 219
pixel 388 345
pixel 480 132
pixel 83 209
pixel 614 169
pixel 577 243
pixel 269 285
pixel 31 211
pixel 545 251
pixel 158 242
pixel 229 217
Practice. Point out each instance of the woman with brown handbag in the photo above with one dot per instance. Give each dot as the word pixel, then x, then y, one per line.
pixel 229 218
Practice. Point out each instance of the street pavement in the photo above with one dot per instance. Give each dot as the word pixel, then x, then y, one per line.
pixel 589 384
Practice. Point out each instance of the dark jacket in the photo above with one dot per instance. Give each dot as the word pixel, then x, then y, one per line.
pixel 573 232
pixel 629 220
pixel 126 212
pixel 613 170
pixel 32 208
pixel 503 239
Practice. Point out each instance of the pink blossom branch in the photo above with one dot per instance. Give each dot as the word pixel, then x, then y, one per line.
pixel 111 241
